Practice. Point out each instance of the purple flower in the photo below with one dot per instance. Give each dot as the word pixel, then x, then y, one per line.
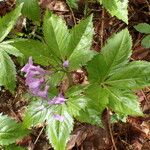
pixel 44 93
pixel 57 100
pixel 35 78
pixel 59 117
pixel 66 63
pixel 34 83
pixel 28 66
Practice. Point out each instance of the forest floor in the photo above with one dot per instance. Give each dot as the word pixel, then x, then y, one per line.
pixel 132 135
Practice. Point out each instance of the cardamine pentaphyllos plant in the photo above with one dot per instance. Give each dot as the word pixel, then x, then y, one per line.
pixel 112 79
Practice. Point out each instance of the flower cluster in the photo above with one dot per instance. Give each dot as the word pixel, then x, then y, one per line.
pixel 35 79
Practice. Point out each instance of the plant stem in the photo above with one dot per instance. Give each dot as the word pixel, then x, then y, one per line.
pixel 69 79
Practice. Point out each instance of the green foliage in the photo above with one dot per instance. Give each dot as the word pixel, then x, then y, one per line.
pixel 117 76
pixel 146 41
pixel 74 45
pixel 97 100
pixel 8 21
pixel 36 113
pixel 112 77
pixel 61 44
pixel 38 50
pixel 144 28
pixel 76 104
pixel 10 130
pixel 132 76
pixel 114 54
pixel 13 147
pixel 58 132
pixel 56 34
pixel 10 49
pixel 123 102
pixel 72 3
pixel 78 51
pixel 117 8
pixel 30 9
pixel 7 67
pixel 7 71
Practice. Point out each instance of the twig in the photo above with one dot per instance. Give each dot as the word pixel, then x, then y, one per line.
pixel 39 134
pixel 74 19
pixel 106 122
pixel 111 135
pixel 102 28
pixel 148 6
pixel 144 96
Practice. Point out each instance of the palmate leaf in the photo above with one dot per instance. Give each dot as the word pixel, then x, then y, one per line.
pixel 8 21
pixel 74 45
pixel 58 132
pixel 114 54
pixel 30 9
pixel 111 71
pixel 7 71
pixel 118 8
pixel 10 130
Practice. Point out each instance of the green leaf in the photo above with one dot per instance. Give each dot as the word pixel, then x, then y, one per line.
pixel 8 21
pixel 76 104
pixel 7 71
pixel 97 69
pixel 56 35
pixel 78 51
pixel 10 49
pixel 135 75
pixel 99 96
pixel 146 41
pixel 36 113
pixel 14 147
pixel 90 114
pixel 94 102
pixel 36 49
pixel 58 132
pixel 117 50
pixel 123 102
pixel 10 130
pixel 30 9
pixel 143 28
pixel 72 3
pixel 55 78
pixel 75 90
pixel 114 54
pixel 118 8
